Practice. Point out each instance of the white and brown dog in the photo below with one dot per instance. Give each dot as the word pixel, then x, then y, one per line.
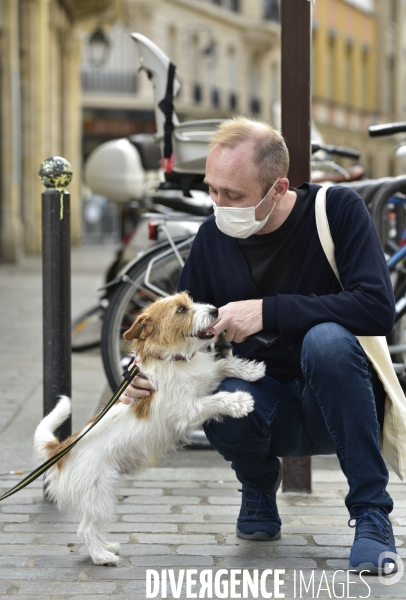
pixel 167 340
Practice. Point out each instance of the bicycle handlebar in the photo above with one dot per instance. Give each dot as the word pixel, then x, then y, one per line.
pixel 338 150
pixel 387 129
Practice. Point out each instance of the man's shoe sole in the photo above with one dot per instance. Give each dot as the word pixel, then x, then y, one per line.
pixel 258 535
pixel 373 570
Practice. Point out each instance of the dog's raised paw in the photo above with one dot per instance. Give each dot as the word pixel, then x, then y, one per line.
pixel 241 404
pixel 253 371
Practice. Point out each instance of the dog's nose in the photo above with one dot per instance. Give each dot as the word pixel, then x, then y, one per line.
pixel 214 312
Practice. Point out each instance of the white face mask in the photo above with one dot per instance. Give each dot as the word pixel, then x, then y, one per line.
pixel 240 222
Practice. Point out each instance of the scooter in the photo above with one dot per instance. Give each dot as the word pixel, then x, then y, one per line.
pixel 162 174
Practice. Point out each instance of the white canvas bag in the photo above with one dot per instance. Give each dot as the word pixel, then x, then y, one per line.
pixel 393 436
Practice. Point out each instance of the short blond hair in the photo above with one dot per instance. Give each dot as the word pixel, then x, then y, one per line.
pixel 271 155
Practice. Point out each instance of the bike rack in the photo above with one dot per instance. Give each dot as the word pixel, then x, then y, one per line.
pixel 376 193
pixel 367 188
pixel 384 192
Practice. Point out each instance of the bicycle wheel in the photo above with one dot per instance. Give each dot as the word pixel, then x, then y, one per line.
pixel 130 297
pixel 86 329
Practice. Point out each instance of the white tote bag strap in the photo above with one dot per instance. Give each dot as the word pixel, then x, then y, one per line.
pixel 323 229
pixel 376 349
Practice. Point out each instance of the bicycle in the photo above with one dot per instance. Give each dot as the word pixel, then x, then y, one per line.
pixel 396 264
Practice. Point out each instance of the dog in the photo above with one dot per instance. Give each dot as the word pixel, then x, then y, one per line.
pixel 168 341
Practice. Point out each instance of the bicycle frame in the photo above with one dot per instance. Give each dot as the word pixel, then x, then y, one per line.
pixel 175 246
pixel 396 258
pixel 173 249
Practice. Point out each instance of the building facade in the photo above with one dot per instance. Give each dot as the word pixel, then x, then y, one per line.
pixel 58 97
pixel 227 55
pixel 357 76
pixel 40 110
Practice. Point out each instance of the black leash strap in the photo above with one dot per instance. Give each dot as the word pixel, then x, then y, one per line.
pixel 166 106
pixel 129 375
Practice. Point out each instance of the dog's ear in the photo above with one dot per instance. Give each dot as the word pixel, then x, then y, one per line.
pixel 140 329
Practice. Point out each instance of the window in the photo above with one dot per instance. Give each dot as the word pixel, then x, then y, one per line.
pixel 215 97
pixel 197 93
pixel 255 106
pixel 232 101
pixel 364 80
pixel 118 75
pixel 391 86
pixel 196 70
pixel 330 65
pixel 271 10
pixel 231 79
pixel 255 103
pixel 315 55
pixel 173 44
pixel 233 5
pixel 110 83
pixel 348 69
pixel 274 93
pixel 213 74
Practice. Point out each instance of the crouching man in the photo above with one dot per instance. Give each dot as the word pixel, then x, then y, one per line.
pixel 259 259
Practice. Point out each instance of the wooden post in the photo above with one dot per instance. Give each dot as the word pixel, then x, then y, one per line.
pixel 296 31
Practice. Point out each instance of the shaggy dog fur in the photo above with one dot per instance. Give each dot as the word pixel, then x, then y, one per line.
pixel 167 339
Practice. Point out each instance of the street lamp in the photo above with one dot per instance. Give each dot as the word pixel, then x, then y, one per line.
pixel 99 45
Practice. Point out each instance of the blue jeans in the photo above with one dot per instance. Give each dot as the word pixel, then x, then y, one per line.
pixel 335 408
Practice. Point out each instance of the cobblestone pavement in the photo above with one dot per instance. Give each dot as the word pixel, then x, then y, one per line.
pixel 178 515
pixel 182 518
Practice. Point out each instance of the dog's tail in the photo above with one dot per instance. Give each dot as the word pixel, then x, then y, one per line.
pixel 44 433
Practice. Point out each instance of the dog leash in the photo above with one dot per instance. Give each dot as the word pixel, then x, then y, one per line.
pixel 129 374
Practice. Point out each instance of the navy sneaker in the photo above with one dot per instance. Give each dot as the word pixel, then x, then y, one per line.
pixel 259 518
pixel 373 535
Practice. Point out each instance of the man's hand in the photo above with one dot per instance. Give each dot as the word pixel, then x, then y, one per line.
pixel 138 388
pixel 239 320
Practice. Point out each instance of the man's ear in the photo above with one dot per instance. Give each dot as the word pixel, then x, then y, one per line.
pixel 140 329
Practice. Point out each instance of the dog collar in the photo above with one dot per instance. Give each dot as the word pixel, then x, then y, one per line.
pixel 173 357
pixel 176 357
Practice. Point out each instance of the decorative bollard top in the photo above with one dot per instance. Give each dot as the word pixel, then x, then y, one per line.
pixel 55 172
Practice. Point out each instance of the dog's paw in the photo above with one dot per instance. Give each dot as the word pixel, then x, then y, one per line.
pixel 241 403
pixel 113 547
pixel 252 370
pixel 105 558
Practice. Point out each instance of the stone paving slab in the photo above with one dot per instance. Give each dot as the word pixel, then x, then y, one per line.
pixel 61 569
pixel 285 540
pixel 170 517
pixel 163 518
pixel 64 589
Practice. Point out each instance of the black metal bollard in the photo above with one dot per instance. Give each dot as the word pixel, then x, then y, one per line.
pixel 56 173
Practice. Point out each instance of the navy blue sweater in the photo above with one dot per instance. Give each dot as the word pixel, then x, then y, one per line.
pixel 217 272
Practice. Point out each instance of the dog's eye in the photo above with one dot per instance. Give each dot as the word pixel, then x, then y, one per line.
pixel 181 309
